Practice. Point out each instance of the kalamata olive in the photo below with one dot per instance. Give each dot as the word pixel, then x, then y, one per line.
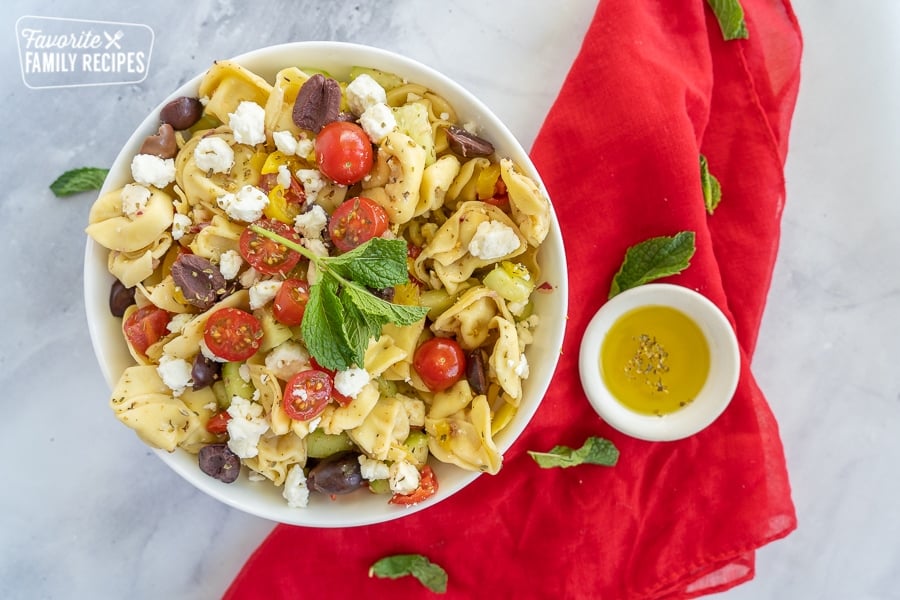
pixel 204 371
pixel 161 144
pixel 181 113
pixel 476 374
pixel 336 474
pixel 466 144
pixel 200 281
pixel 318 103
pixel 219 462
pixel 120 298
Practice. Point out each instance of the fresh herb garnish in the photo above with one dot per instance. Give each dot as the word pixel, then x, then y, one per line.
pixel 730 15
pixel 342 315
pixel 712 191
pixel 80 180
pixel 595 451
pixel 654 258
pixel 429 574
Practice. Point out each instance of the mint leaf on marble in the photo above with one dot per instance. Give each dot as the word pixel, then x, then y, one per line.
pixel 730 15
pixel 594 451
pixel 652 259
pixel 429 574
pixel 712 191
pixel 80 180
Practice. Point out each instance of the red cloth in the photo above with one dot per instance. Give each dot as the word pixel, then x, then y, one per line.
pixel 653 87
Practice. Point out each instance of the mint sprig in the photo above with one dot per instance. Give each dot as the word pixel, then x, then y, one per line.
pixel 342 315
pixel 652 259
pixel 429 574
pixel 80 180
pixel 730 15
pixel 594 451
pixel 712 190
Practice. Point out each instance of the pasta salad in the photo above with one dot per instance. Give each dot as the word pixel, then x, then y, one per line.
pixel 324 283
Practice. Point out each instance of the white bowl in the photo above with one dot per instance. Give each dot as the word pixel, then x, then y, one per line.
pixel 360 508
pixel 714 396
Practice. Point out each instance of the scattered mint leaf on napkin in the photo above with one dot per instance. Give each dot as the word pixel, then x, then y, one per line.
pixel 712 191
pixel 342 315
pixel 595 451
pixel 429 574
pixel 730 15
pixel 80 180
pixel 652 259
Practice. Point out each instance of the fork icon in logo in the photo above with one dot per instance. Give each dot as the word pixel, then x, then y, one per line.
pixel 113 40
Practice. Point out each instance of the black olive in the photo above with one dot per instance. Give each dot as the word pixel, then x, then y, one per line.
pixel 204 371
pixel 219 462
pixel 337 474
pixel 120 298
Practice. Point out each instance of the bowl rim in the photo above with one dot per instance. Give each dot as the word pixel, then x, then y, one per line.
pixel 717 391
pixel 266 61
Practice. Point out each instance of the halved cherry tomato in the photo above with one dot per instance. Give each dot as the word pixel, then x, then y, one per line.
pixel 428 487
pixel 145 326
pixel 355 222
pixel 344 152
pixel 335 395
pixel 440 362
pixel 500 198
pixel 232 334
pixel 307 394
pixel 218 423
pixel 290 302
pixel 266 255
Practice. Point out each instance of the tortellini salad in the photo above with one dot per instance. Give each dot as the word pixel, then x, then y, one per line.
pixel 213 312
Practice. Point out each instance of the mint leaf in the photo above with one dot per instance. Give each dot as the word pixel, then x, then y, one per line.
pixel 322 327
pixel 79 180
pixel 378 263
pixel 652 259
pixel 595 451
pixel 359 328
pixel 712 191
pixel 730 15
pixel 398 314
pixel 429 574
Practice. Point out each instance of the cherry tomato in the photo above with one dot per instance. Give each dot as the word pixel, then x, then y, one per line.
pixel 440 362
pixel 266 255
pixel 355 222
pixel 344 152
pixel 290 302
pixel 500 199
pixel 306 394
pixel 218 423
pixel 428 487
pixel 145 326
pixel 232 334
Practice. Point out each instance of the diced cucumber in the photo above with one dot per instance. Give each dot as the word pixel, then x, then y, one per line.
pixel 437 301
pixel 417 444
pixel 386 80
pixel 234 383
pixel 320 444
pixel 222 397
pixel 511 280
pixel 412 119
pixel 380 486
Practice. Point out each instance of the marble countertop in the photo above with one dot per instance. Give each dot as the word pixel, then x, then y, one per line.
pixel 826 355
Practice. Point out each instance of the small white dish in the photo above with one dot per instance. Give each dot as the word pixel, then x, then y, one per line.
pixel 717 390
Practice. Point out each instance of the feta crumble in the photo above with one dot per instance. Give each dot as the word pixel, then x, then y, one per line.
pixel 230 263
pixel 247 123
pixel 311 223
pixel 313 183
pixel 249 277
pixel 372 469
pixel 262 292
pixel 148 169
pixel 377 121
pixel 287 359
pixel 404 477
pixel 134 199
pixel 175 373
pixel 181 224
pixel 177 323
pixel 247 205
pixel 363 92
pixel 295 490
pixel 493 239
pixel 285 142
pixel 284 177
pixel 522 369
pixel 351 381
pixel 245 427
pixel 214 154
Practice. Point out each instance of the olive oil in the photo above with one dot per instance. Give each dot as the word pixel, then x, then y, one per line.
pixel 654 360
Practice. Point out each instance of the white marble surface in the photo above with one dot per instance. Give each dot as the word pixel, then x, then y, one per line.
pixel 70 525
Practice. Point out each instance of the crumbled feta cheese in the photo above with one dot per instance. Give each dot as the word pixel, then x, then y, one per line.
pixel 493 239
pixel 246 425
pixel 285 142
pixel 177 323
pixel 181 224
pixel 372 469
pixel 204 100
pixel 363 92
pixel 214 154
pixel 206 352
pixel 249 277
pixel 287 359
pixel 256 476
pixel 295 490
pixel 516 308
pixel 404 477
pixel 148 169
pixel 471 127
pixel 175 373
pixel 247 205
pixel 134 199
pixel 351 381
pixel 377 121
pixel 522 369
pixel 230 263
pixel 445 116
pixel 244 373
pixel 305 147
pixel 262 292
pixel 284 176
pixel 247 123
pixel 317 247
pixel 311 223
pixel 313 183
pixel 314 424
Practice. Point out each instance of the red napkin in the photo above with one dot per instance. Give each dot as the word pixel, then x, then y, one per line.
pixel 654 86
